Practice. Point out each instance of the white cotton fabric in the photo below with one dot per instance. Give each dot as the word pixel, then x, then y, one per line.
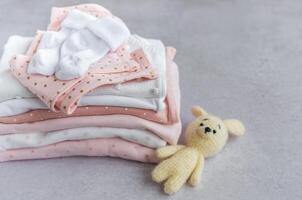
pixel 47 56
pixel 82 40
pixel 14 45
pixel 77 20
pixel 78 52
pixel 105 100
pixel 30 140
pixel 112 30
pixel 11 88
pixel 18 106
pixel 149 94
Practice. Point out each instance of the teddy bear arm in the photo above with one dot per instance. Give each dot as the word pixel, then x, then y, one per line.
pixel 168 151
pixel 196 174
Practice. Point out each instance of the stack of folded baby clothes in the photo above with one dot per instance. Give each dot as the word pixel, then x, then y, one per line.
pixel 87 87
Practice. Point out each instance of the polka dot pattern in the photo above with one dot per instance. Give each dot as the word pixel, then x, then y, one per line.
pixel 113 147
pixel 56 93
pixel 94 79
pixel 172 102
pixel 42 114
pixel 116 67
pixel 112 64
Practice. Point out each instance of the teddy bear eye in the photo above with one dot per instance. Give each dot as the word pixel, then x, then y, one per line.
pixel 214 131
pixel 201 124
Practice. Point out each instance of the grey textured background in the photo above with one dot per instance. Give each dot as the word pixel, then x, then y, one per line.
pixel 237 59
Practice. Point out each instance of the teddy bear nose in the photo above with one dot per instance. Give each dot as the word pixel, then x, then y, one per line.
pixel 207 129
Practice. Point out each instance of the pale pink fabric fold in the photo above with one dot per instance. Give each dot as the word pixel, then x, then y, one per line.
pixel 113 147
pixel 42 114
pixel 173 90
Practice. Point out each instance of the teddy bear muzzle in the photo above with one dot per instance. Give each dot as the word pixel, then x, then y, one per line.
pixel 207 129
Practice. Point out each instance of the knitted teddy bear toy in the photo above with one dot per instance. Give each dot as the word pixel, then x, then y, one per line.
pixel 205 137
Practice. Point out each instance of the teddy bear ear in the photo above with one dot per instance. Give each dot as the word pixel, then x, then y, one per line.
pixel 198 111
pixel 234 126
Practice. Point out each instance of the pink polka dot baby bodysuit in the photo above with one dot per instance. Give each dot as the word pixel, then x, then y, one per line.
pixel 116 67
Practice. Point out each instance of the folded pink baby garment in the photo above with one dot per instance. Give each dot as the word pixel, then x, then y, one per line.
pixel 43 114
pixel 113 147
pixel 103 72
pixel 65 95
pixel 168 116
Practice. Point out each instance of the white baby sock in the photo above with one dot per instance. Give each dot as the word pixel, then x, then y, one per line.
pixel 46 59
pixel 90 44
pixel 78 52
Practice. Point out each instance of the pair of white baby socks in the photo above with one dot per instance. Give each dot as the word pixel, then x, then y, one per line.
pixel 82 40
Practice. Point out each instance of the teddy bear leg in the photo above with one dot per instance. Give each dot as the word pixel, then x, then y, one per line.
pixel 161 172
pixel 174 183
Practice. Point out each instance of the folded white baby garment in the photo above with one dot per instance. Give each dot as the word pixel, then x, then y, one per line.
pixel 82 40
pixel 26 140
pixel 14 45
pixel 11 88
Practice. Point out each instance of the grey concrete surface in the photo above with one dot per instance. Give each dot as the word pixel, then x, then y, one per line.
pixel 240 59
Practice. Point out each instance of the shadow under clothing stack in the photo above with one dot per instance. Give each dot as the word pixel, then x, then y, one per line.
pixel 126 104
